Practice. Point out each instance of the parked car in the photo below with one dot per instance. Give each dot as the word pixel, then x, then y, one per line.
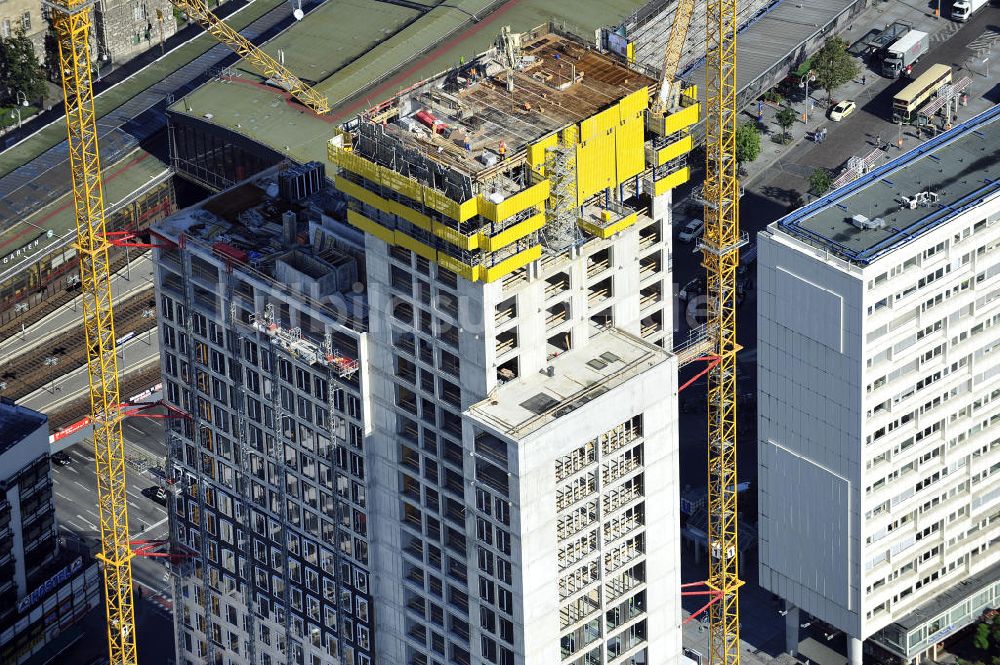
pixel 691 230
pixel 842 110
pixel 62 459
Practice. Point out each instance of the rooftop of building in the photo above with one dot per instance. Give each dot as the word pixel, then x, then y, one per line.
pixel 308 256
pixel 17 422
pixel 907 197
pixel 522 90
pixel 359 56
pixel 951 598
pixel 525 404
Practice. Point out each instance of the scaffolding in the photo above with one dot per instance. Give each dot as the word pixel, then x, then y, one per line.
pixel 561 230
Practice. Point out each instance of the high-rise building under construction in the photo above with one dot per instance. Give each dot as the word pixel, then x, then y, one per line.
pixel 445 430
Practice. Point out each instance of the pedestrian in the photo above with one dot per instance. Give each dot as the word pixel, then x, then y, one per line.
pixel 864 79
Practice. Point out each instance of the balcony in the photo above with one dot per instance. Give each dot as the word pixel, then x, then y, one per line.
pixel 598 262
pixel 606 221
pixel 506 311
pixel 579 489
pixel 600 292
pixel 575 461
pixel 506 342
pixel 649 236
pixel 558 313
pixel 556 284
pixel 650 265
pixel 650 295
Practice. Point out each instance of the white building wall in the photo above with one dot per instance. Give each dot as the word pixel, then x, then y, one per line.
pixel 535 521
pixel 879 404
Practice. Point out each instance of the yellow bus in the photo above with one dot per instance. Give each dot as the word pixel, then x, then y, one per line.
pixel 909 100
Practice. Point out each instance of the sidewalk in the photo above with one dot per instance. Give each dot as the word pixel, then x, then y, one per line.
pixel 863 90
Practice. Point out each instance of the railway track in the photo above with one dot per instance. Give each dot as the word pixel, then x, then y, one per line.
pixel 54 301
pixel 131 384
pixel 36 367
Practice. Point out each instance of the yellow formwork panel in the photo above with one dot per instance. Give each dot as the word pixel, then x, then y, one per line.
pixel 674 150
pixel 437 201
pixel 676 178
pixel 454 237
pixel 605 232
pixel 414 245
pixel 385 205
pixel 630 154
pixel 683 118
pixel 536 152
pixel 526 198
pixel 634 104
pixel 595 165
pixel 630 51
pixel 359 221
pixel 511 264
pixel 516 232
pixel 471 273
pixel 599 124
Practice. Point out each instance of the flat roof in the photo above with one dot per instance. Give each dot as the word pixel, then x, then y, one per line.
pixel 523 405
pixel 557 81
pixel 958 169
pixel 357 66
pixel 17 422
pixel 950 597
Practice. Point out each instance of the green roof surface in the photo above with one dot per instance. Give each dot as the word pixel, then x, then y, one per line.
pixel 359 64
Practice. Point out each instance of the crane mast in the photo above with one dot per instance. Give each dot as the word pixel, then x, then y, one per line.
pixel 71 20
pixel 720 251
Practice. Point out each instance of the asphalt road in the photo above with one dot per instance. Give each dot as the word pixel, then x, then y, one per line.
pixel 76 512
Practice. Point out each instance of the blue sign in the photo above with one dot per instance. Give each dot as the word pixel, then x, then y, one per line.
pixel 50 585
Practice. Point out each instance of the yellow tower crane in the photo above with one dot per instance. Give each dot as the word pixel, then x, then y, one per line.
pixel 720 251
pixel 720 247
pixel 72 23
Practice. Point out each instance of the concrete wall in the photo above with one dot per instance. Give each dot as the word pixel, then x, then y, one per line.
pixel 534 516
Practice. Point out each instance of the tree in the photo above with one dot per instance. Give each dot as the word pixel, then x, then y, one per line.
pixel 820 181
pixel 747 143
pixel 981 640
pixel 833 66
pixel 785 118
pixel 19 70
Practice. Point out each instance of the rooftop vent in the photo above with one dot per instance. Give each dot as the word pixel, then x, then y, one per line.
pixel 920 199
pixel 863 223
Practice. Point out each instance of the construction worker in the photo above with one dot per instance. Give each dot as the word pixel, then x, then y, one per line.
pixel 502 150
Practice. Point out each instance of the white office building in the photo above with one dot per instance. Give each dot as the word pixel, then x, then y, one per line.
pixel 879 399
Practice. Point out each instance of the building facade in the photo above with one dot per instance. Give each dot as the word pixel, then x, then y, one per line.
pixel 878 391
pixel 125 28
pixel 44 588
pixel 271 477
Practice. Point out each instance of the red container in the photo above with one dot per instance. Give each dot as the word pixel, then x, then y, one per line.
pixel 229 252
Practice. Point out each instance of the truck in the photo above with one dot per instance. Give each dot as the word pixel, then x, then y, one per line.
pixel 877 44
pixel 961 10
pixel 903 53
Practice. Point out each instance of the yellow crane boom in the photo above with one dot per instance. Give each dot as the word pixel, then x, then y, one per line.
pixel 720 251
pixel 71 20
pixel 262 62
pixel 666 96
